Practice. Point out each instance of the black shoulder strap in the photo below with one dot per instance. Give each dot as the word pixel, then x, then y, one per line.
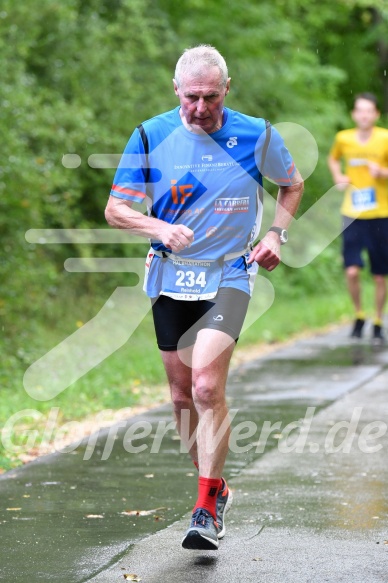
pixel 266 144
pixel 144 139
pixel 264 155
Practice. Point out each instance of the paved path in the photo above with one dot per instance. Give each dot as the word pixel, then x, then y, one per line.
pixel 310 505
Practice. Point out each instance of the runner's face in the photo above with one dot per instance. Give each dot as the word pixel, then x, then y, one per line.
pixel 202 100
pixel 365 114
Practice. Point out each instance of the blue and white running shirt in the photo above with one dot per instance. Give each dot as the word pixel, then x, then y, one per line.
pixel 211 183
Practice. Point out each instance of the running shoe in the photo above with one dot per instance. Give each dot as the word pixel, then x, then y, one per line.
pixel 202 534
pixel 357 329
pixel 224 502
pixel 378 336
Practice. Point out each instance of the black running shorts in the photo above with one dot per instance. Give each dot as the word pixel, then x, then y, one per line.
pixel 370 235
pixel 175 319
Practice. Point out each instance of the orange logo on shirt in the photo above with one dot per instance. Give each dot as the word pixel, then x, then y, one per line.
pixel 180 192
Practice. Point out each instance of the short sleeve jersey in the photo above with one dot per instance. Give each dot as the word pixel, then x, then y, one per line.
pixel 211 183
pixel 366 197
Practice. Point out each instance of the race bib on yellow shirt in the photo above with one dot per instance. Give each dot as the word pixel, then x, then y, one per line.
pixel 364 199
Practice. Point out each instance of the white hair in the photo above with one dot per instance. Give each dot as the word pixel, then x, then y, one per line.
pixel 193 61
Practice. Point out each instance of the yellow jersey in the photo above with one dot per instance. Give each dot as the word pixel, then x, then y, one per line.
pixel 366 197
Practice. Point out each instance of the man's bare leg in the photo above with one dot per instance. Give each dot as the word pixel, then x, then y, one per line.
pixel 209 398
pixel 380 295
pixel 198 389
pixel 208 392
pixel 354 286
pixel 179 376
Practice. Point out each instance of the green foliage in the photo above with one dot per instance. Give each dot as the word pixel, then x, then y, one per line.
pixel 71 74
pixel 275 71
pixel 78 75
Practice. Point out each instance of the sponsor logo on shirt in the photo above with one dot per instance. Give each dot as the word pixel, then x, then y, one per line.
pixel 207 164
pixel 211 231
pixel 232 142
pixel 180 192
pixel 231 205
pixel 358 162
pixel 182 196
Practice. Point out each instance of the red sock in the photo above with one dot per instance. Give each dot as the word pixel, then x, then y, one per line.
pixel 207 494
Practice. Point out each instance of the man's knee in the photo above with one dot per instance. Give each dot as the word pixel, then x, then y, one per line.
pixel 206 393
pixel 352 272
pixel 380 279
pixel 181 396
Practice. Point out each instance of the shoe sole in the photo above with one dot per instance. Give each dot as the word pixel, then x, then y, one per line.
pixel 228 504
pixel 196 541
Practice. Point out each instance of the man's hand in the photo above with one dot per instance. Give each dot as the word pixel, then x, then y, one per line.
pixel 176 237
pixel 267 252
pixel 341 181
pixel 120 214
pixel 377 171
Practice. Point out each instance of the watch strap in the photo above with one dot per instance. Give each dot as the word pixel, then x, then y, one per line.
pixel 283 235
pixel 277 230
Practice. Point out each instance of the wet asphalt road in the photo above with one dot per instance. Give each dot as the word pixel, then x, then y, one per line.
pixel 311 504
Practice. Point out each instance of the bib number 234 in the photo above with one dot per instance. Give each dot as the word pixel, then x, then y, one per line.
pixel 190 278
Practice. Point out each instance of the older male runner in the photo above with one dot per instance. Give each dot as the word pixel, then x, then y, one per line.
pixel 200 167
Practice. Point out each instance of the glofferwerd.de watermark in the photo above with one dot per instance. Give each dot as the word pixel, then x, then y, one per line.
pixel 138 436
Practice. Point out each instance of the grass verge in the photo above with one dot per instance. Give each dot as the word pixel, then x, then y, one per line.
pixel 133 375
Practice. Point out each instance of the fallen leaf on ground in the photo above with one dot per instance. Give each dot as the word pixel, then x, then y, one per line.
pixel 94 516
pixel 131 577
pixel 149 475
pixel 257 559
pixel 142 512
pixel 13 509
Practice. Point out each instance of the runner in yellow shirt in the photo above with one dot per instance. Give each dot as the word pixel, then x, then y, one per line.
pixel 364 153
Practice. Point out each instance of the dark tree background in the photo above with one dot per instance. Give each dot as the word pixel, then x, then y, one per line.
pixel 78 75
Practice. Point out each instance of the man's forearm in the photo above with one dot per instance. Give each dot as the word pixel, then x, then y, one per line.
pixel 335 169
pixel 122 216
pixel 288 201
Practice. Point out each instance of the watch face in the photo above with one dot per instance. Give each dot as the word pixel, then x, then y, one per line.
pixel 283 236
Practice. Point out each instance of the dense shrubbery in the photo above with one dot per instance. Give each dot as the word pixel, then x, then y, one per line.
pixel 79 75
pixel 76 77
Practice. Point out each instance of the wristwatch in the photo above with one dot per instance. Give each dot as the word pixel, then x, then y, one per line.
pixel 283 235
